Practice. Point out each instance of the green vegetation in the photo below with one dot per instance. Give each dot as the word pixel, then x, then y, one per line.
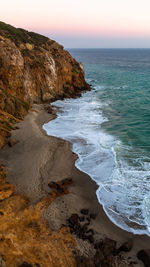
pixel 12 120
pixel 4 94
pixel 8 126
pixel 37 39
pixel 24 104
pixel 18 35
pixel 15 35
pixel 7 94
pixel 41 61
pixel 26 53
pixel 74 71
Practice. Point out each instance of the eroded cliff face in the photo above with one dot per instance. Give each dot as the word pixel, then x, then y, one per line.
pixel 33 69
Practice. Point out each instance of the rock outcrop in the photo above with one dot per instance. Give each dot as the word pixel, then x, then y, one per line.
pixel 25 238
pixel 33 69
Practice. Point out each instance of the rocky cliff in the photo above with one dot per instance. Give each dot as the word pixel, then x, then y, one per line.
pixel 33 69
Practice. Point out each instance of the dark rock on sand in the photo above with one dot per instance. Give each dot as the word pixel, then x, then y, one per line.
pixel 49 109
pixel 127 246
pixel 84 262
pixel 90 238
pixel 61 185
pixel 73 220
pixel 144 256
pixel 107 246
pixel 56 186
pixel 82 218
pixel 81 230
pixel 90 231
pixel 66 181
pixel 93 216
pixel 84 211
pixel 12 142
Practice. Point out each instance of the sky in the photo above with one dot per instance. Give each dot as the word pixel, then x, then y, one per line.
pixel 83 23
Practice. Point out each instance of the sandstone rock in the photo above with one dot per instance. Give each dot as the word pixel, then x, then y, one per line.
pixel 47 96
pixel 34 69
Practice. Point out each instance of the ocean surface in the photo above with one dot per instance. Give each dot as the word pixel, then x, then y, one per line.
pixel 109 129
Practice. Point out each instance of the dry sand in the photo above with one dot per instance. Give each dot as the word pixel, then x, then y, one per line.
pixel 38 159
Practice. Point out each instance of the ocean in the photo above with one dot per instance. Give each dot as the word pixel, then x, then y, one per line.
pixel 109 129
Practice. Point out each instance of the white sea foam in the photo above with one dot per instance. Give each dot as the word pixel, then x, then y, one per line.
pixel 123 181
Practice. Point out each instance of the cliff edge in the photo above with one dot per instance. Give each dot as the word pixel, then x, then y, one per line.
pixel 55 229
pixel 33 69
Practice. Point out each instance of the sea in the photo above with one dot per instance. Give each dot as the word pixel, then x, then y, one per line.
pixel 109 129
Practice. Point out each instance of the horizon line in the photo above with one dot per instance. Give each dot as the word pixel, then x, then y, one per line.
pixel 107 48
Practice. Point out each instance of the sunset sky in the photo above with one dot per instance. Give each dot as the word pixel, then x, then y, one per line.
pixel 83 23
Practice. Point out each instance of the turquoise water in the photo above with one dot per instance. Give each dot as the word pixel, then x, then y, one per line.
pixel 109 129
pixel 124 77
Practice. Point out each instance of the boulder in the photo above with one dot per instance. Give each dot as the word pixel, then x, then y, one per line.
pixel 84 211
pixel 127 246
pixel 144 256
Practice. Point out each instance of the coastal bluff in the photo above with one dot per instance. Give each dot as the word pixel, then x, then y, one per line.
pixel 49 213
pixel 33 69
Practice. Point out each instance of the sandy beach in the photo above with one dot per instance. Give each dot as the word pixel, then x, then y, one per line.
pixel 37 159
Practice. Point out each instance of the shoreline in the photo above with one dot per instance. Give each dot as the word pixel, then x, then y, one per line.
pixel 40 159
